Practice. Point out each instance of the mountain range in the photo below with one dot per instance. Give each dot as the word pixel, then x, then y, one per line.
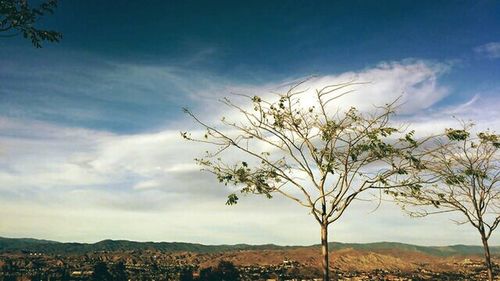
pixel 53 247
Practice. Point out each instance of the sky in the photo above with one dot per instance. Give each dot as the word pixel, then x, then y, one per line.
pixel 89 127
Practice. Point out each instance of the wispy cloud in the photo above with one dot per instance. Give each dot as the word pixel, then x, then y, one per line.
pixel 76 90
pixel 490 50
pixel 414 82
pixel 97 181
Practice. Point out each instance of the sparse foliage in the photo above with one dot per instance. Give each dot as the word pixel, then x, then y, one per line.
pixel 17 17
pixel 465 169
pixel 320 156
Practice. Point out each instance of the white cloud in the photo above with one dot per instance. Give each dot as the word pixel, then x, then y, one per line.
pixel 414 82
pixel 480 110
pixel 490 50
pixel 79 184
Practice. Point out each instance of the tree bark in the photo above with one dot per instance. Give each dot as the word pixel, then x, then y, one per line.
pixel 325 265
pixel 487 257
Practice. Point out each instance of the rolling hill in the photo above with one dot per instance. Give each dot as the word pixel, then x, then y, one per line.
pixel 53 247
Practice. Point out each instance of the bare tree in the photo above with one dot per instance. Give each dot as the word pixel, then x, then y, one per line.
pixel 323 159
pixel 466 172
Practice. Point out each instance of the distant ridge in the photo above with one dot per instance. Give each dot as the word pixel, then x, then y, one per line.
pixel 53 247
pixel 444 251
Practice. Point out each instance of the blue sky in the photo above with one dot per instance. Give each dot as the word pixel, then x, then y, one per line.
pixel 89 126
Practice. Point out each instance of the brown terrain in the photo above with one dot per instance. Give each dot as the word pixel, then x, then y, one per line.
pixel 347 262
pixel 343 260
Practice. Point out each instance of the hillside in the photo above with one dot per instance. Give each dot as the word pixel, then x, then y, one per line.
pixel 53 247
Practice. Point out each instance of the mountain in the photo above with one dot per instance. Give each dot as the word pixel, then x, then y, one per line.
pixel 53 247
pixel 444 251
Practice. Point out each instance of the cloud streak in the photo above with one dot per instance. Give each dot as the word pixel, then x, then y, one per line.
pixel 90 183
pixel 490 50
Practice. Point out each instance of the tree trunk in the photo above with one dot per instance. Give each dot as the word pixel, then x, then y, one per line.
pixel 324 252
pixel 487 257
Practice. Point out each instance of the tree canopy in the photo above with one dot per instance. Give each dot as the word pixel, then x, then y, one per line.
pixel 464 168
pixel 320 156
pixel 17 17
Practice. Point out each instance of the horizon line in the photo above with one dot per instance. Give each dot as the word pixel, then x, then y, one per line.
pixel 265 244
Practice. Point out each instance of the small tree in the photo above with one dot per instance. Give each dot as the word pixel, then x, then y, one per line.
pixel 225 271
pixel 323 159
pixel 18 18
pixel 466 169
pixel 119 272
pixel 101 272
pixel 186 275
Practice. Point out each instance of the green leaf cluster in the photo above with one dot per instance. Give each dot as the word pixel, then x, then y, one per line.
pixel 456 135
pixel 17 17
